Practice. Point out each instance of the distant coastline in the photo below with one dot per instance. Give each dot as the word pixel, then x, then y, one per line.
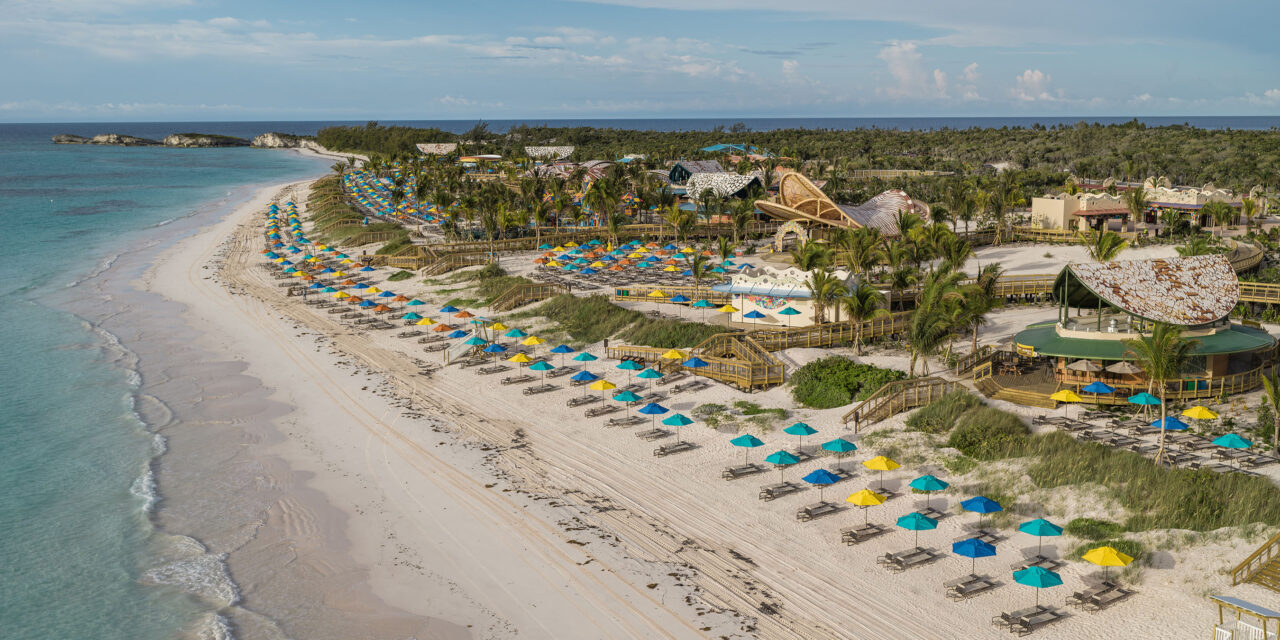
pixel 269 140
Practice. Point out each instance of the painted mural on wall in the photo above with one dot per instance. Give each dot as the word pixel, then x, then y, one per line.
pixel 767 303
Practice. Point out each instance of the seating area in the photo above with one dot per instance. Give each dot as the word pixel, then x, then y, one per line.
pixel 1182 448
pixel 908 559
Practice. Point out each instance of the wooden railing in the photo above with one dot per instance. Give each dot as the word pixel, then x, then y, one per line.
pixel 983 371
pixel 895 397
pixel 334 224
pixel 1267 553
pixel 371 236
pixel 1245 256
pixel 831 333
pixel 1260 292
pixel 640 293
pixel 1177 390
pixel 745 369
pixel 523 294
pixel 453 261
pixel 966 363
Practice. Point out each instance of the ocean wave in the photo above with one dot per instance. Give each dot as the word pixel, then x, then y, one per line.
pixel 191 568
pixel 214 627
pixel 96 271
pixel 144 486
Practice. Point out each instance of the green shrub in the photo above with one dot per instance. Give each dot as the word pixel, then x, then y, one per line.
pixel 704 410
pixel 395 245
pixel 588 319
pixel 491 270
pixel 987 433
pixel 835 381
pixel 1091 529
pixel 959 465
pixel 492 287
pixel 399 275
pixel 940 415
pixel 749 408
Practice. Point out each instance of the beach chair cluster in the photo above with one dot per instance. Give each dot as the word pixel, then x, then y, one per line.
pixel 1099 597
pixel 910 558
pixel 1026 621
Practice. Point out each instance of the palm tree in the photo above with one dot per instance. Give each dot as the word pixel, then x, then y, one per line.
pixel 743 211
pixel 724 248
pixel 825 288
pixel 980 299
pixel 906 222
pixel 959 202
pixel 1103 246
pixel 862 249
pixel 1220 213
pixel 699 266
pixel 1271 385
pixel 1135 200
pixel 1162 356
pixel 671 215
pixel 811 255
pixel 540 212
pixel 1174 220
pixel 955 252
pixel 1248 209
pixel 863 302
pixel 931 322
pixel 1196 246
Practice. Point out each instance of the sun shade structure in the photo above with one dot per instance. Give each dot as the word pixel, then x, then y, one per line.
pixel 1199 413
pixel 746 441
pixel 781 460
pixel 865 498
pixel 1040 528
pixel 1232 441
pixel 1037 577
pixel 917 522
pixel 973 548
pixel 981 505
pixel 1167 290
pixel 881 464
pixel 800 199
pixel 821 478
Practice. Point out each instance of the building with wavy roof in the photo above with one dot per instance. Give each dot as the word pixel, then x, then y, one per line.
pixel 799 199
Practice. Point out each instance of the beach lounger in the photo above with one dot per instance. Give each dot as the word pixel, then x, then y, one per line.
pixel 471 362
pixel 676 447
pixel 366 320
pixel 1078 598
pixel 816 510
pixel 968 586
pixel 628 421
pixel 741 471
pixel 653 434
pixel 562 371
pixel 1007 619
pixel 432 348
pixel 1028 624
pixel 492 369
pixel 681 388
pixel 903 560
pixel 520 379
pixel 862 533
pixel 581 400
pixel 382 326
pixel 933 513
pixel 989 537
pixel 1039 561
pixel 431 339
pixel 801 455
pixel 409 334
pixel 539 388
pixel 634 387
pixel 602 411
pixel 579 383
pixel 774 491
pixel 675 377
pixel 1105 599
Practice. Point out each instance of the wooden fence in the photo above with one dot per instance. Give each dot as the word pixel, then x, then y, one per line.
pixel 640 293
pixel 895 397
pixel 523 294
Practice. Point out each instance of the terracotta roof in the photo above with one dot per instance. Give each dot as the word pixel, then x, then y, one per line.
pixel 1183 291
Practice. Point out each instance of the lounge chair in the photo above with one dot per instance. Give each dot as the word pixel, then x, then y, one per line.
pixel 903 560
pixel 653 434
pixel 1080 597
pixel 677 447
pixel 680 375
pixel 774 491
pixel 1105 599
pixel 408 334
pixel 439 346
pixel 539 388
pixel 1028 624
pixel 1038 561
pixel 933 513
pixel 1007 619
pixel 562 371
pixel 602 411
pixel 862 533
pixel 625 422
pixel 578 401
pixel 968 586
pixel 989 537
pixel 431 339
pixel 741 471
pixel 492 369
pixel 817 510
pixel 520 379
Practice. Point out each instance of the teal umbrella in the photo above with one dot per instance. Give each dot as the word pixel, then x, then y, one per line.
pixel 788 311
pixel 928 484
pixel 1040 528
pixel 1232 441
pixel 627 396
pixel 677 420
pixel 474 341
pixel 544 367
pixel 840 447
pixel 650 375
pixel 1037 577
pixel 629 366
pixel 917 522
pixel 746 441
pixel 800 429
pixel 584 357
pixel 781 460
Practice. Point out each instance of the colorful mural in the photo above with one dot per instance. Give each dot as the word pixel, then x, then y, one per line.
pixel 766 302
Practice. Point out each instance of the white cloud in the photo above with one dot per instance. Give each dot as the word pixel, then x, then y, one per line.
pixel 910 80
pixel 1268 97
pixel 971 72
pixel 789 67
pixel 1031 86
pixel 456 101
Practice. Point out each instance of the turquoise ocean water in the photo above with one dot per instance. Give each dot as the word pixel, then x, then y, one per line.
pixel 75 458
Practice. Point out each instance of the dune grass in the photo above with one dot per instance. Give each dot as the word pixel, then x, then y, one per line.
pixel 941 415
pixel 595 318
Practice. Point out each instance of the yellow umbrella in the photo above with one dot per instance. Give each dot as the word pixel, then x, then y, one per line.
pixel 373 290
pixel 728 308
pixel 866 498
pixel 687 250
pixel 1107 557
pixel 553 263
pixel 602 385
pixel 1066 395
pixel 881 464
pixel 425 322
pixel 596 265
pixel 672 354
pixel 520 358
pixel 342 294
pixel 672 268
pixel 558 249
pixel 1199 413
pixel 657 293
pixel 339 274
pixel 498 326
pixel 346 261
pixel 532 341
pixel 570 244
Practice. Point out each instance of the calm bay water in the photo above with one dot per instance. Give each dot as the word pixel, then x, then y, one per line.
pixel 78 544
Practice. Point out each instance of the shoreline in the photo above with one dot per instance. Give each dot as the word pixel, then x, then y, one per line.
pixel 398 577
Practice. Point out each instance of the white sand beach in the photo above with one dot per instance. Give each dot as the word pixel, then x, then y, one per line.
pixel 448 506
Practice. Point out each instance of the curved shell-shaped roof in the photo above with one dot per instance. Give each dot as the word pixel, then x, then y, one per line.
pixel 721 184
pixel 798 198
pixel 1187 291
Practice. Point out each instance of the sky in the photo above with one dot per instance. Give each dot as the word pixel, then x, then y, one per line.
pixel 139 60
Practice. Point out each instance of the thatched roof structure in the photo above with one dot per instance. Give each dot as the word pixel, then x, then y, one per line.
pixel 723 185
pixel 437 148
pixel 1188 291
pixel 548 153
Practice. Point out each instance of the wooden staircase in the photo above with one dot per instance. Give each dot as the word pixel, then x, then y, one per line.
pixel 1262 567
pixel 523 294
pixel 895 397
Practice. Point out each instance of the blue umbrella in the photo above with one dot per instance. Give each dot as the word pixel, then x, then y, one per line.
pixel 1170 423
pixel 367 304
pixel 754 315
pixel 1098 386
pixel 1040 528
pixel 917 522
pixel 973 548
pixel 584 377
pixel 1037 577
pixel 448 309
pixel 981 505
pixel 822 478
pixel 781 459
pixel 457 333
pixel 562 349
pixel 653 409
pixel 678 298
pixel 695 363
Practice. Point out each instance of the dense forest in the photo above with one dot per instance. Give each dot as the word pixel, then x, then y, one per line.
pixel 1237 159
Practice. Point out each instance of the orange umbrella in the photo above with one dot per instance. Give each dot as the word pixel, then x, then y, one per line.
pixel 539 260
pixel 348 282
pixel 442 327
pixel 307 276
pixel 400 298
pixel 382 307
pixel 616 268
pixel 355 299
pixel 464 314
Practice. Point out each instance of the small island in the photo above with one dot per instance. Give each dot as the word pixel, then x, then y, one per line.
pixel 269 140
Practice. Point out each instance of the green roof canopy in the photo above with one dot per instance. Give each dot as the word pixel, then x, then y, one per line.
pixel 1047 342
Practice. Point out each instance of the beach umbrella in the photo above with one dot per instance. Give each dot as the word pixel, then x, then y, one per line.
pixel 840 447
pixel 881 464
pixel 602 385
pixel 464 314
pixel 800 429
pixel 520 358
pixel 917 522
pixel 532 341
pixel 981 505
pixel 788 311
pixel 1037 577
pixel 672 354
pixel 514 333
pixel 729 310
pixel 367 269
pixel 1144 400
pixel 1086 366
pixel 656 294
pixel 1096 387
pixel 822 478
pixel 1199 413
pixel 677 420
pixel 411 316
pixel 414 303
pixel 1066 395
pixel 425 322
pixel 1123 368
pixel 650 375
pixel 1232 441
pixel 367 304
pixel 781 459
pixel 455 334
pixel 928 484
pixel 1170 423
pixel 865 498
pixel 584 357
pixel 448 309
pixel 362 286
pixel 627 397
pixel 679 298
pixel 1040 528
pixel 629 366
pixel 1106 557
pixel 475 341
pixel 704 305
pixel 584 376
pixel 754 315
pixel 653 409
pixel 560 350
pixel 543 366
pixel 495 349
pixel 746 441
pixel 973 548
pixel 694 363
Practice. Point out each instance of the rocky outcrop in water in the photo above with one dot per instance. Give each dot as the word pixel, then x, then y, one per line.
pixel 121 140
pixel 68 138
pixel 273 140
pixel 203 140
